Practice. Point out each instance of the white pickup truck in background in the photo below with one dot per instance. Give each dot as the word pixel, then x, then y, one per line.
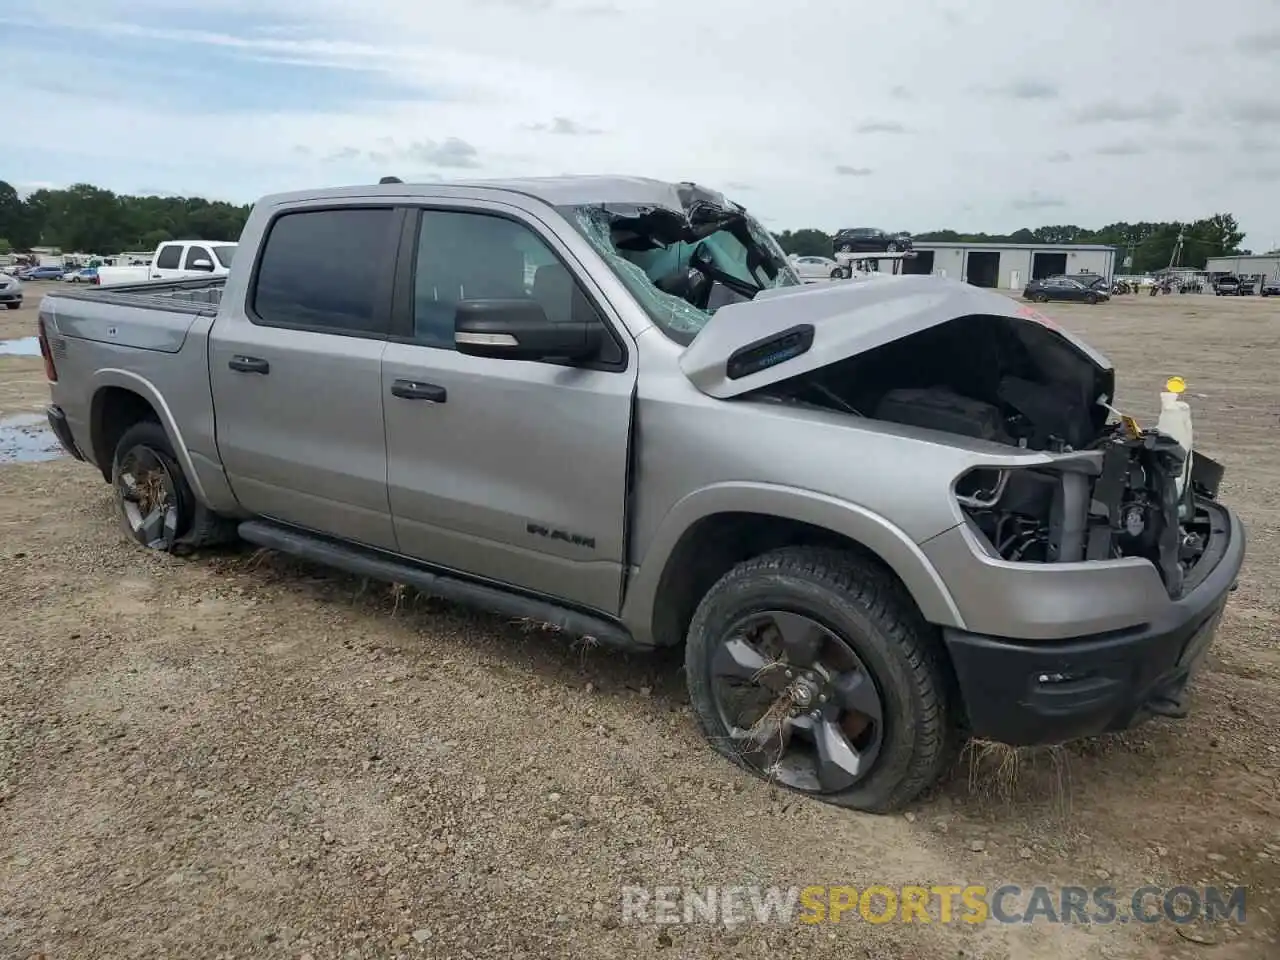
pixel 175 260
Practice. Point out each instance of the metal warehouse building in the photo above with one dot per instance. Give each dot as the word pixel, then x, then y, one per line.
pixel 1009 266
pixel 1246 266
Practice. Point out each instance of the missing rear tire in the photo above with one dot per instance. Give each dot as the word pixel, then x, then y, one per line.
pixel 157 506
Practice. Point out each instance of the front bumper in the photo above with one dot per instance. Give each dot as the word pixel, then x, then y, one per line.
pixel 1025 693
pixel 10 295
pixel 62 430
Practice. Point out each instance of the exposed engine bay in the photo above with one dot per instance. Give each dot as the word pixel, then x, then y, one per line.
pixel 1114 489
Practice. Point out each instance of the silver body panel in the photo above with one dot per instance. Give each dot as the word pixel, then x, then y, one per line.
pixel 627 460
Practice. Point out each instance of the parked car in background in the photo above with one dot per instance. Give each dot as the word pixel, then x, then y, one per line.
pixel 811 269
pixel 44 273
pixel 1064 288
pixel 175 260
pixel 1228 286
pixel 10 291
pixel 1248 287
pixel 1270 288
pixel 842 627
pixel 83 275
pixel 869 240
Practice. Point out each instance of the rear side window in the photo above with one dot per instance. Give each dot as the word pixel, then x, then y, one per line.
pixel 169 257
pixel 327 270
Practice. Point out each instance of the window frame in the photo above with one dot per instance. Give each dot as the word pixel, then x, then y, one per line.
pixel 406 268
pixel 193 251
pixel 384 281
pixel 181 248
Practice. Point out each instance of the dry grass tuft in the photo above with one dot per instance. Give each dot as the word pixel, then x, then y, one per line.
pixel 999 770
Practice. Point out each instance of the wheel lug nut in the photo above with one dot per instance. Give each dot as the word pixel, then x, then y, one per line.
pixel 822 698
pixel 790 674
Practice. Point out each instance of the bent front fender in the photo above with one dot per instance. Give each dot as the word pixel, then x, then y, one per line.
pixel 872 531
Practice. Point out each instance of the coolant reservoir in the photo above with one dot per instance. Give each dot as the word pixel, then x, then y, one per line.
pixel 1175 422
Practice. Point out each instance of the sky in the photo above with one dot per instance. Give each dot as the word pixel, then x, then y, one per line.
pixel 976 115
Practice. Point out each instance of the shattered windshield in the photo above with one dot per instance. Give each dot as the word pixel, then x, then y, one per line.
pixel 682 267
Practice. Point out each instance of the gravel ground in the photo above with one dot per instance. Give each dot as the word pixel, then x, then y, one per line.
pixel 238 756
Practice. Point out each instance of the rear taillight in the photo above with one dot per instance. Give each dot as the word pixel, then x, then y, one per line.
pixel 50 371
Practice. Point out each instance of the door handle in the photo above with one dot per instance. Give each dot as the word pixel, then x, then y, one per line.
pixel 413 390
pixel 249 365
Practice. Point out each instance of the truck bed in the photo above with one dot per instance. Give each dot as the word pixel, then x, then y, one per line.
pixel 156 315
pixel 200 296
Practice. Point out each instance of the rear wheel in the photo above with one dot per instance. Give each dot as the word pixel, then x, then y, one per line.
pixel 1041 298
pixel 837 274
pixel 813 669
pixel 157 506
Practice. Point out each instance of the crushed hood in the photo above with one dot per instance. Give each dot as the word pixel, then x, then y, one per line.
pixel 788 331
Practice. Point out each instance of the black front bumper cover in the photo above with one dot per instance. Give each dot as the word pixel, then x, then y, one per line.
pixel 1026 693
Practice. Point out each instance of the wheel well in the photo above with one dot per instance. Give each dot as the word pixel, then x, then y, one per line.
pixel 114 411
pixel 714 545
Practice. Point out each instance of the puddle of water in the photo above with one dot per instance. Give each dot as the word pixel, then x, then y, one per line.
pixel 26 438
pixel 22 347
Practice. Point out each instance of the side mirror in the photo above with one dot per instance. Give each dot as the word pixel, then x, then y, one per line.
pixel 201 264
pixel 520 330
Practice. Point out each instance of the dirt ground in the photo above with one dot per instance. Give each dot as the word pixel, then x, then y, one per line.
pixel 238 756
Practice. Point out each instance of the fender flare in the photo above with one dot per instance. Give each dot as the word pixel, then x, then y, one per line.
pixel 126 380
pixel 872 531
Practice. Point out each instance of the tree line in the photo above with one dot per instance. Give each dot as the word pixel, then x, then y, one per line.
pixel 1151 245
pixel 88 219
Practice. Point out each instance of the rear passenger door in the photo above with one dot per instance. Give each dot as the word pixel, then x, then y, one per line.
pixel 513 471
pixel 296 373
pixel 168 262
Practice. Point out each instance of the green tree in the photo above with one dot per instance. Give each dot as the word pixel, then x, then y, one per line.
pixel 805 243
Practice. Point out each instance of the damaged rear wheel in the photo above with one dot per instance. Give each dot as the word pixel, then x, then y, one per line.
pixel 157 506
pixel 812 669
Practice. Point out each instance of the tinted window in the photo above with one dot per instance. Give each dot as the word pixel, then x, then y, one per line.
pixel 194 254
pixel 327 269
pixel 224 255
pixel 169 257
pixel 472 256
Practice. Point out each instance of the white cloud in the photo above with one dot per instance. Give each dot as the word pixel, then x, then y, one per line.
pixel 957 114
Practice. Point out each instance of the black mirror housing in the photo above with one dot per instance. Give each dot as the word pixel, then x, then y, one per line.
pixel 518 329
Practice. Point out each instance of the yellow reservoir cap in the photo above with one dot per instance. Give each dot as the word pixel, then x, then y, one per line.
pixel 1175 385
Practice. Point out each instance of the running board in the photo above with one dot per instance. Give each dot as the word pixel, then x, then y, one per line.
pixel 364 563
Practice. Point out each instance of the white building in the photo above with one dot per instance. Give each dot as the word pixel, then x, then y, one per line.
pixel 1008 266
pixel 1267 265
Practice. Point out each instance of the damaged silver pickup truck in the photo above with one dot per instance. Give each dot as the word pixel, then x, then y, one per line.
pixel 880 516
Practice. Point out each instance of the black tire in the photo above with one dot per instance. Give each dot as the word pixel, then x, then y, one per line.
pixel 185 524
pixel 1041 298
pixel 13 306
pixel 871 615
pixel 837 273
pixel 891 248
pixel 1091 297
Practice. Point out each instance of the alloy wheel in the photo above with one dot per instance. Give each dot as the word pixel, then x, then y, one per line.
pixel 798 703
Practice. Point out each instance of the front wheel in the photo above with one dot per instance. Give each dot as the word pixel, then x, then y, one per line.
pixel 891 248
pixel 1041 298
pixel 13 306
pixel 837 273
pixel 1091 298
pixel 813 669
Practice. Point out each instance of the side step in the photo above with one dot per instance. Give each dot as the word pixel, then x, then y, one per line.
pixel 481 596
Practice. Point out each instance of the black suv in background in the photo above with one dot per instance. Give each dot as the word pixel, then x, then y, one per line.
pixel 1227 286
pixel 869 240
